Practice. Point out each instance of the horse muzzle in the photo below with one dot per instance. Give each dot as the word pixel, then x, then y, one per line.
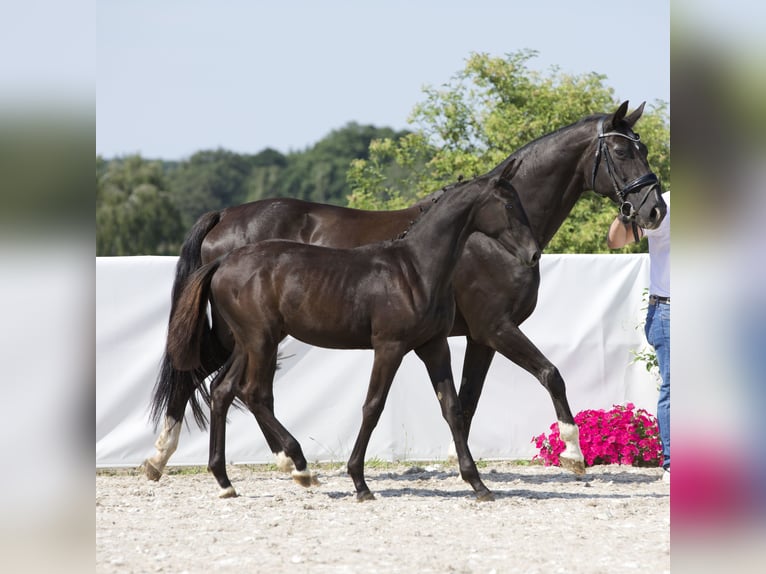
pixel 652 211
pixel 651 208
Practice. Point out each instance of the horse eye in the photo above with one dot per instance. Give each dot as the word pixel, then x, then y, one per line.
pixel 509 206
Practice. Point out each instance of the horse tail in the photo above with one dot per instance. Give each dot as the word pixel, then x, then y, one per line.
pixel 188 321
pixel 174 387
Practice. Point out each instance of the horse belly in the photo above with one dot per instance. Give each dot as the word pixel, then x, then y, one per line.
pixel 329 318
pixel 328 331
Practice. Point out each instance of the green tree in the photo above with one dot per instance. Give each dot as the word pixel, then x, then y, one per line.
pixel 490 108
pixel 319 173
pixel 266 170
pixel 134 212
pixel 209 180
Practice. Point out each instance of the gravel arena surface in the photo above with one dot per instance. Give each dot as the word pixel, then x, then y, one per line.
pixel 424 519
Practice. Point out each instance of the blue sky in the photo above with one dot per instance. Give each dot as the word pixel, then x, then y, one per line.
pixel 175 77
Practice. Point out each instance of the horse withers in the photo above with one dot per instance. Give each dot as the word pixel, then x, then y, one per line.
pixel 494 292
pixel 392 297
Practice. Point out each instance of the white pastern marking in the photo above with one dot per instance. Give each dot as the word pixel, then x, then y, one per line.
pixel 570 434
pixel 228 492
pixel 284 462
pixel 167 443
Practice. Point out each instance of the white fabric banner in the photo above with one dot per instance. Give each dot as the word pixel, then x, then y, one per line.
pixel 588 319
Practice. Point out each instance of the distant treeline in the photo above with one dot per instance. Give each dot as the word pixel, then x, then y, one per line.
pixel 145 206
pixel 489 109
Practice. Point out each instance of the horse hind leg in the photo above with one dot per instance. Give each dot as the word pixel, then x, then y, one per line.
pixel 259 397
pixel 166 444
pixel 476 363
pixel 223 391
pixel 178 388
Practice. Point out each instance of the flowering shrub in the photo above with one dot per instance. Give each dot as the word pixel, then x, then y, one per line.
pixel 622 435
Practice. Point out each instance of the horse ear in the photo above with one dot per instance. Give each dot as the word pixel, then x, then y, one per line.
pixel 634 117
pixel 510 169
pixel 619 115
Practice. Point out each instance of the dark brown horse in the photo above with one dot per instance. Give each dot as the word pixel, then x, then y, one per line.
pixel 393 297
pixel 493 292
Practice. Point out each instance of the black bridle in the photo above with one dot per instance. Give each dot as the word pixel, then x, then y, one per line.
pixel 627 211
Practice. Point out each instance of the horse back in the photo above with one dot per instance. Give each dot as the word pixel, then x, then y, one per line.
pixel 302 221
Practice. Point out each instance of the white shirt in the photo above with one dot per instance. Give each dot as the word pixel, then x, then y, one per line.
pixel 659 255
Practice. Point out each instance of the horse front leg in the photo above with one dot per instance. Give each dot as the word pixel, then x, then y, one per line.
pixel 258 394
pixel 385 364
pixel 436 357
pixel 507 339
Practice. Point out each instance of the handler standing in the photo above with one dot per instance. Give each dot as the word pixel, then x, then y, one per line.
pixel 657 327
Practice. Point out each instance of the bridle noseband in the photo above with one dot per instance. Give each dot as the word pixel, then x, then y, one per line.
pixel 627 210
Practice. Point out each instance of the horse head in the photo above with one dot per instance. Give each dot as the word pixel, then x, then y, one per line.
pixel 502 217
pixel 621 171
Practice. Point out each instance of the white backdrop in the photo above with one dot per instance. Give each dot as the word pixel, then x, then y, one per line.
pixel 586 323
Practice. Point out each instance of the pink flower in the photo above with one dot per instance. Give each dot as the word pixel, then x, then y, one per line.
pixel 622 435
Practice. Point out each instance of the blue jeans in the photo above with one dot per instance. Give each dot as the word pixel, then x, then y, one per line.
pixel 657 329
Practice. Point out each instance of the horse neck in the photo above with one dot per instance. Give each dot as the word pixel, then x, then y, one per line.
pixel 553 176
pixel 436 241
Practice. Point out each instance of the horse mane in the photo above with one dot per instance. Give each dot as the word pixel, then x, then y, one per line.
pixel 508 170
pixel 424 206
pixel 558 132
pixel 535 143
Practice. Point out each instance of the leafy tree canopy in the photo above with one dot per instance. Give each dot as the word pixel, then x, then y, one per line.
pixel 489 109
pixel 134 211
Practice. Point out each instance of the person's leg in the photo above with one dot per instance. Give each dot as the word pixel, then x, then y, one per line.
pixel 658 335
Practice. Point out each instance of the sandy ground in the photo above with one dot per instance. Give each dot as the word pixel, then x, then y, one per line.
pixel 424 519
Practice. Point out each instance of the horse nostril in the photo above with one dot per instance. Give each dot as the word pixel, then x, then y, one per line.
pixel 535 258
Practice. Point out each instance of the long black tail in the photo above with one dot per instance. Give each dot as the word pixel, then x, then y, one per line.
pixel 189 320
pixel 175 388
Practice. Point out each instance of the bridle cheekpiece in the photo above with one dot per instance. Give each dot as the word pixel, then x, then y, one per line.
pixel 627 211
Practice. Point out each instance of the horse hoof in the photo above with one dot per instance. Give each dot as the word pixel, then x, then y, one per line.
pixel 571 464
pixel 485 497
pixel 228 492
pixel 305 478
pixel 150 471
pixel 365 496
